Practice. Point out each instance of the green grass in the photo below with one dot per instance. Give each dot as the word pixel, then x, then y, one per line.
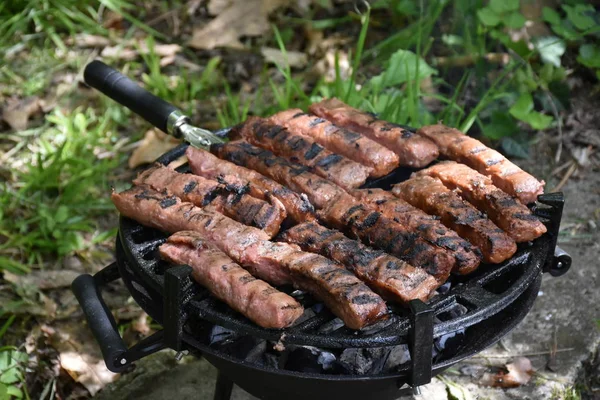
pixel 34 20
pixel 58 186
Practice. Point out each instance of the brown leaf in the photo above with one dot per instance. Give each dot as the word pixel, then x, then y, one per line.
pixel 154 144
pixel 130 50
pixel 141 324
pixel 78 354
pixel 43 279
pixel 236 18
pixel 517 373
pixel 17 112
pixel 294 59
pixel 87 40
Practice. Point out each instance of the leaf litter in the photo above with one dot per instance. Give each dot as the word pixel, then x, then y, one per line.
pixel 234 19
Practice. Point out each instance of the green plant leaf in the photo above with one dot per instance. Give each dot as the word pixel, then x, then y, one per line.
pixel 3 391
pixel 503 6
pixel 566 30
pixel 513 148
pixel 551 49
pixel 551 16
pixel 488 17
pixel 514 20
pixel 589 55
pixel 522 107
pixel 581 15
pixel 15 392
pixel 501 125
pixel 402 68
pixel 13 266
pixel 456 391
pixel 538 120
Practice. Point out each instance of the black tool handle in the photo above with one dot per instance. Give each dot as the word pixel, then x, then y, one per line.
pixel 101 322
pixel 124 91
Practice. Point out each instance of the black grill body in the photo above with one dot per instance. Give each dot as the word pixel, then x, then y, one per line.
pixel 496 298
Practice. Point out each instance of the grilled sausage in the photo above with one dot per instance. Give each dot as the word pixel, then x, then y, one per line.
pixel 339 289
pixel 504 174
pixel 374 229
pixel 207 165
pixel 338 169
pixel 341 210
pixel 168 213
pixel 207 193
pixel 353 145
pixel 427 226
pixel 387 275
pixel 413 150
pixel 430 195
pixel 506 212
pixel 276 263
pixel 297 177
pixel 230 283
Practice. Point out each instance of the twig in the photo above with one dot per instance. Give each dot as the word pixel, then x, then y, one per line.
pixel 464 61
pixel 566 177
pixel 540 353
pixel 559 169
pixel 161 17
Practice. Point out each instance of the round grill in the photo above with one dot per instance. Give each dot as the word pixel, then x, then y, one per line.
pixel 482 294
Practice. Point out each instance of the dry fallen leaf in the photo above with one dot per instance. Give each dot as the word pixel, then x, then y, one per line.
pixel 141 325
pixel 236 18
pixel 517 373
pixel 326 67
pixel 17 112
pixel 87 40
pixel 79 354
pixel 43 279
pixel 294 59
pixel 130 50
pixel 154 144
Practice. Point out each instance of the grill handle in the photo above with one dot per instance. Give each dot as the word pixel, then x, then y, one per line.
pixel 163 115
pixel 101 322
pixel 126 92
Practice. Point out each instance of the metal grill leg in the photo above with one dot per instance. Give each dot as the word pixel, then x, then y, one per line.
pixel 223 387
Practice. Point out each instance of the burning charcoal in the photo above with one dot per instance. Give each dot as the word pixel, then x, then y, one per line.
pixel 399 355
pixel 308 314
pixel 445 288
pixel 257 352
pixel 218 335
pixel 364 361
pixel 271 360
pixel 448 344
pixel 326 359
pixel 232 343
pixel 376 327
pixel 317 308
pixel 456 311
pixel 310 359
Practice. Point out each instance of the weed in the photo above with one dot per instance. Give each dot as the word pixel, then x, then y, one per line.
pixel 568 393
pixel 12 368
pixel 182 89
pixel 59 184
pixel 48 19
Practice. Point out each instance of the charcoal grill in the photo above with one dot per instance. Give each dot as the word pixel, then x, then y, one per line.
pixel 493 300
